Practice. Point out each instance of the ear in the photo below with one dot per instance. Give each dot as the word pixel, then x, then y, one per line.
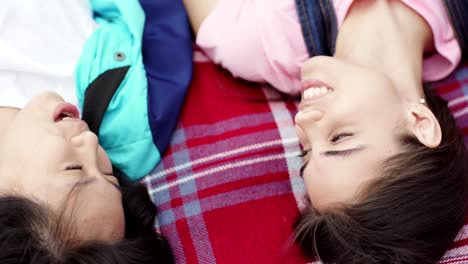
pixel 424 125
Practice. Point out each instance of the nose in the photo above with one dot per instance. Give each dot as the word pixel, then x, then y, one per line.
pixel 308 116
pixel 86 147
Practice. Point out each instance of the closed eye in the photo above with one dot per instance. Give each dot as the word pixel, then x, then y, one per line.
pixel 338 137
pixel 74 167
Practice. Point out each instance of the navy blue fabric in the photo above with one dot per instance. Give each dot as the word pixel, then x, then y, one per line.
pixel 458 13
pixel 168 60
pixel 319 26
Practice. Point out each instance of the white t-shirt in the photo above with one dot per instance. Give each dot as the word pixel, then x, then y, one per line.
pixel 40 45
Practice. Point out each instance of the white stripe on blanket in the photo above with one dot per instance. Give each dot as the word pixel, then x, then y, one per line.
pixel 223 168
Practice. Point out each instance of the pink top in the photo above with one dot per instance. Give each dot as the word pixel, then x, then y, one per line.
pixel 261 40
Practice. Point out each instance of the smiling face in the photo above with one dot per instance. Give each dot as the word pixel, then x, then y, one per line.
pixel 48 154
pixel 348 123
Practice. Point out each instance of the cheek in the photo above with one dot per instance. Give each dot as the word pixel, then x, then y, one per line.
pixel 104 162
pixel 30 161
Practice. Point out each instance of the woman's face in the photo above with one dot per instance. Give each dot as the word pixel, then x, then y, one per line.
pixel 350 126
pixel 44 156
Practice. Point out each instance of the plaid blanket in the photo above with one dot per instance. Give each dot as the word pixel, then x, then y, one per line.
pixel 228 188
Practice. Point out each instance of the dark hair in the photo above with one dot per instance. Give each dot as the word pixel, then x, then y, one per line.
pixel 409 215
pixel 30 234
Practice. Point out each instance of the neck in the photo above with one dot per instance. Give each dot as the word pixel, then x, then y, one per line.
pixel 389 37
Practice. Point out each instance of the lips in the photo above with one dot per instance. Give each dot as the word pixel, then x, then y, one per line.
pixel 65 111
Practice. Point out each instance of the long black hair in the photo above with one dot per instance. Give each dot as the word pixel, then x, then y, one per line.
pixel 29 233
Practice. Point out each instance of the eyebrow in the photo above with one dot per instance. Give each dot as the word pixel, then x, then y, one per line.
pixel 333 153
pixel 89 181
pixel 302 155
pixel 344 152
pixel 301 171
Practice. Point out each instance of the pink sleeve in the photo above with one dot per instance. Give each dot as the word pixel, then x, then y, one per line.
pixel 447 55
pixel 257 40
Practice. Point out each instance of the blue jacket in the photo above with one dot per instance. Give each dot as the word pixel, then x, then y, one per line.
pixel 132 77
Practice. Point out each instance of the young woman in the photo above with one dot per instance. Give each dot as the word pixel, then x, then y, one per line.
pixel 61 201
pixel 385 164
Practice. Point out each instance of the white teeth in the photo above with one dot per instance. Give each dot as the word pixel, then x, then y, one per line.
pixel 324 90
pixel 316 91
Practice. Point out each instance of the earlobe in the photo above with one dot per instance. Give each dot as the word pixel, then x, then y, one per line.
pixel 425 126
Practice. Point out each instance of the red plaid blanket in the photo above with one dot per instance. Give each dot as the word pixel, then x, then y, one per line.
pixel 228 188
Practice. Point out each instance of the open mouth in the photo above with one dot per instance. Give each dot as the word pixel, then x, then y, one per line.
pixel 65 111
pixel 312 89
